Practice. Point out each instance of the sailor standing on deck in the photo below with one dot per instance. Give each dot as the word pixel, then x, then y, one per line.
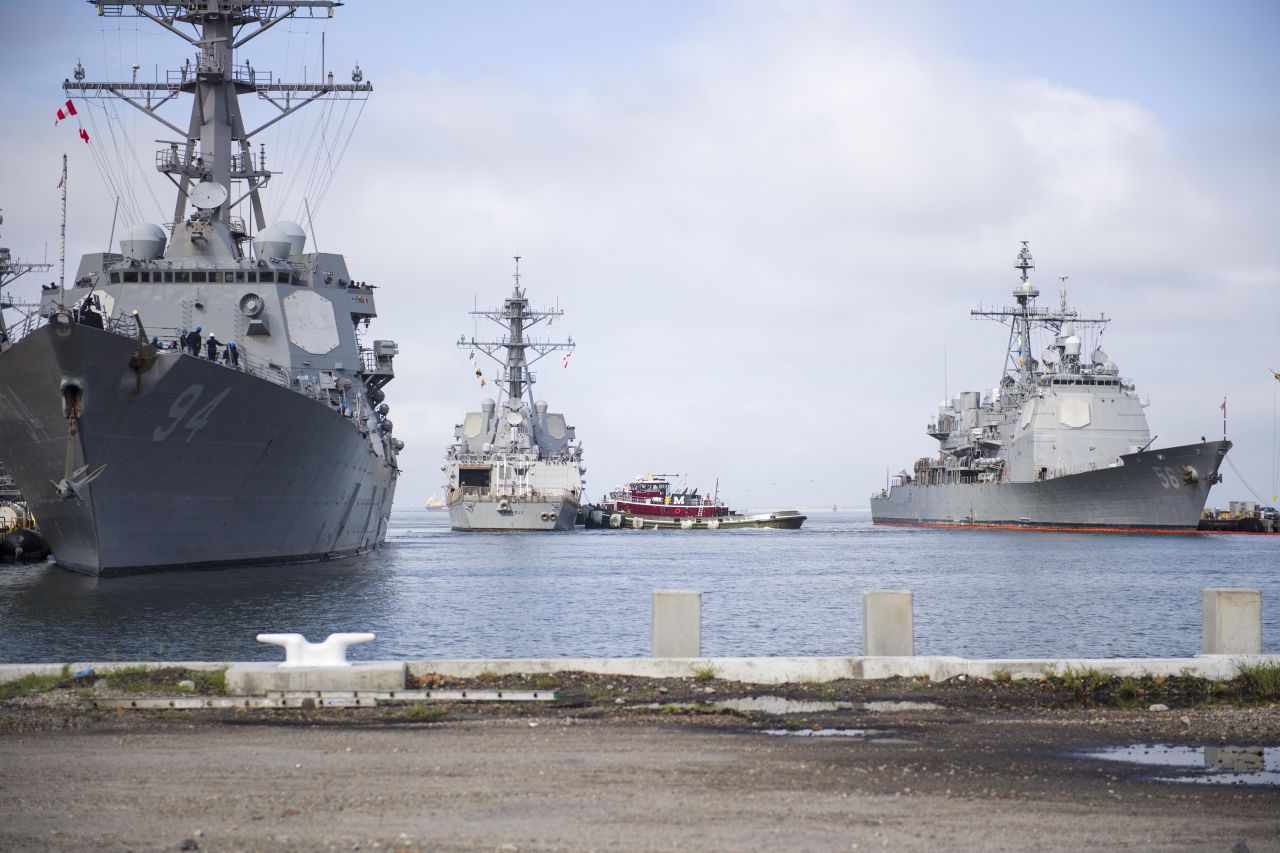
pixel 212 345
pixel 193 342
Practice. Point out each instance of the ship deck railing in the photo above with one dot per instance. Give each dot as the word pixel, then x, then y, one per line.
pixel 299 381
pixel 515 492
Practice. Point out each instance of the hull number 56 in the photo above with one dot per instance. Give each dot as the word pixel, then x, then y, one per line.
pixel 1168 477
pixel 182 407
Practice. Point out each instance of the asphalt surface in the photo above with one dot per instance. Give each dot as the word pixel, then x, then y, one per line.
pixel 599 775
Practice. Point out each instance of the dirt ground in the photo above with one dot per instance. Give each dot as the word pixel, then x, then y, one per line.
pixel 620 763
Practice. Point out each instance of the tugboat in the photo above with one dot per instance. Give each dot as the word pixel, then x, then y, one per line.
pixel 515 466
pixel 1060 443
pixel 650 503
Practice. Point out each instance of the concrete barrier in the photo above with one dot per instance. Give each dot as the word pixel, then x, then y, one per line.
pixel 1232 621
pixel 255 679
pixel 887 629
pixel 676 624
pixel 250 678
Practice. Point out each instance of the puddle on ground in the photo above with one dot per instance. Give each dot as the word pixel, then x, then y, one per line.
pixel 817 732
pixel 900 706
pixel 782 705
pixel 1202 765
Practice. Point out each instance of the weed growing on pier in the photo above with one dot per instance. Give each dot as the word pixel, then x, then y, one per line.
pixel 545 682
pixel 1084 680
pixel 705 672
pixel 1261 680
pixel 216 681
pixel 28 685
pixel 1002 676
pixel 424 712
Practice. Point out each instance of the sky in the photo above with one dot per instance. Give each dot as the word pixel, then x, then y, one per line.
pixel 766 221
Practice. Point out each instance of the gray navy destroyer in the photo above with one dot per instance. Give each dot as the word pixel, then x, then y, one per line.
pixel 515 465
pixel 1061 443
pixel 137 454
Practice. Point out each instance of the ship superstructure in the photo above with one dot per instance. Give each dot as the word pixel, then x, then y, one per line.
pixel 1061 441
pixel 515 465
pixel 203 397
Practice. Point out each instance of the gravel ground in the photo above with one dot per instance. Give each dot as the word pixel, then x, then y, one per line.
pixel 628 764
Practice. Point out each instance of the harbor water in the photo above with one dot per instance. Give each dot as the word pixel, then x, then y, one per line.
pixel 435 593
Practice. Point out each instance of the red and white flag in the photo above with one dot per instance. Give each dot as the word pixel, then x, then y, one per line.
pixel 68 110
pixel 84 134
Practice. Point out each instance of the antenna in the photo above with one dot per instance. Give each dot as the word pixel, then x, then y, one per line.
pixel 1025 263
pixel 62 233
pixel 517 275
pixel 1062 293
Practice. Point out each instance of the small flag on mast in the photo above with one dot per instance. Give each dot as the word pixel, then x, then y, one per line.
pixel 69 109
pixel 84 134
pixel 567 357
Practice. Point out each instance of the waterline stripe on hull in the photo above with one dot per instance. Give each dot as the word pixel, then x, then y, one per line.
pixel 1185 531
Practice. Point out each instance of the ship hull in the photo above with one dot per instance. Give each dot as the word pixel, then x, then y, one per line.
pixel 205 466
pixel 1151 492
pixel 484 515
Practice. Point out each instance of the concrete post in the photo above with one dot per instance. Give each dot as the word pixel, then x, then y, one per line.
pixel 1232 621
pixel 886 623
pixel 676 626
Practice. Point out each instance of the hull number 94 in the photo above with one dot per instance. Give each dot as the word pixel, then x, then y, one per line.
pixel 182 407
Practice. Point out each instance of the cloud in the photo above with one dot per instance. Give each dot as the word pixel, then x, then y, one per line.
pixel 765 242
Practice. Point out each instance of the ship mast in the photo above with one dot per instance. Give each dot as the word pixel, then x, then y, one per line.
pixel 517 318
pixel 1021 367
pixel 11 269
pixel 215 147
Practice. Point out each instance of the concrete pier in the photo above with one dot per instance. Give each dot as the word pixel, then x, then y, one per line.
pixel 1232 621
pixel 676 625
pixel 887 629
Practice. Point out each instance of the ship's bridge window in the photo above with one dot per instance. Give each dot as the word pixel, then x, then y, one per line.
pixel 240 276
pixel 252 277
pixel 182 277
pixel 198 275
pixel 228 276
pixel 115 278
pixel 130 277
pixel 478 477
pixel 168 278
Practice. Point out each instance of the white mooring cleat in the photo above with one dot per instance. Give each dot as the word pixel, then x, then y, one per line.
pixel 299 652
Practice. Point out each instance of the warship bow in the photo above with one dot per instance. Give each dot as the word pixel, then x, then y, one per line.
pixel 204 397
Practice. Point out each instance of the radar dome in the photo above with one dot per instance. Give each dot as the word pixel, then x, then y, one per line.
pixel 487 404
pixel 1072 345
pixel 143 242
pixel 297 237
pixel 1068 329
pixel 540 406
pixel 271 242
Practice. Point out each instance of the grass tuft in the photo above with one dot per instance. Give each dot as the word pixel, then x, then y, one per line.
pixel 29 685
pixel 545 682
pixel 1259 680
pixel 1002 676
pixel 705 672
pixel 424 711
pixel 1084 680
